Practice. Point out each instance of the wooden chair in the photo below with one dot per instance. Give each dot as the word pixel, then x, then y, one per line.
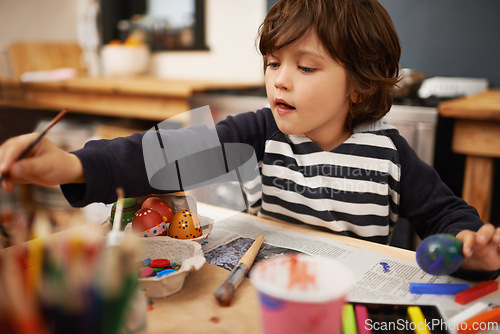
pixel 44 56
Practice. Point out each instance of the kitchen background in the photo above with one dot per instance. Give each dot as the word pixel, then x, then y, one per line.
pixel 451 38
pixel 448 37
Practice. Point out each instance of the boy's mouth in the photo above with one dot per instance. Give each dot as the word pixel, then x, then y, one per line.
pixel 282 106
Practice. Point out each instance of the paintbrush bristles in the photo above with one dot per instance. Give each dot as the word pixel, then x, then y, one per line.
pixel 119 210
pixel 115 236
pixel 224 294
pixel 120 193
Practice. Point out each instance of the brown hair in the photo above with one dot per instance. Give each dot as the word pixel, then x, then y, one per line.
pixel 359 34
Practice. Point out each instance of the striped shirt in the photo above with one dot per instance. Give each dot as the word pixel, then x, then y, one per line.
pixel 352 190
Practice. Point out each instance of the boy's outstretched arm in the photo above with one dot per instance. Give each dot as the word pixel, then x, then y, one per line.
pixel 45 164
pixel 481 248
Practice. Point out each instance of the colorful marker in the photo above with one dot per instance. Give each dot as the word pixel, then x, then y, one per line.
pixel 348 320
pixel 417 317
pixel 361 319
pixel 480 322
pixel 476 292
pixel 437 288
pixel 468 313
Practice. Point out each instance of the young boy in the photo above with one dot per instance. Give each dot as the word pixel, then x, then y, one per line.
pixel 327 158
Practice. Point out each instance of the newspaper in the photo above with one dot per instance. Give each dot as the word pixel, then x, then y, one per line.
pixel 379 278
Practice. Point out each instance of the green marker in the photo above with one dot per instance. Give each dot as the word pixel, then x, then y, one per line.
pixel 348 320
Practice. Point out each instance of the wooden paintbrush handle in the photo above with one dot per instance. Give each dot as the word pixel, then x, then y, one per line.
pixel 251 253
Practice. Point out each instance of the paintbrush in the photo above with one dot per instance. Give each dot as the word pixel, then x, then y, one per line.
pixel 115 235
pixel 225 292
pixel 49 126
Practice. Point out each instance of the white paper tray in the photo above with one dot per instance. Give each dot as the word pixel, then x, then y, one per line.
pixel 184 252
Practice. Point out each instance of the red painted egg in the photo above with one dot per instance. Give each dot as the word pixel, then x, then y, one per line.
pixel 185 225
pixel 148 223
pixel 159 206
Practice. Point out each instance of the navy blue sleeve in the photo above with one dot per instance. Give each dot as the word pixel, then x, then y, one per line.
pixel 431 207
pixel 109 164
pixel 426 201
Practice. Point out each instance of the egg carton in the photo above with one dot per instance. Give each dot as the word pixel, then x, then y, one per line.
pixel 184 252
pixel 177 203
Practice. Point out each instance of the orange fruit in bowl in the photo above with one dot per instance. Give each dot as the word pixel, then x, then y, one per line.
pixel 133 40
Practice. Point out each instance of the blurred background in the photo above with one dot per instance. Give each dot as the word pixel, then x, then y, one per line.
pixel 133 63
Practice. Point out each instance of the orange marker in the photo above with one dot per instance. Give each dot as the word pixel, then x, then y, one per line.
pixel 481 322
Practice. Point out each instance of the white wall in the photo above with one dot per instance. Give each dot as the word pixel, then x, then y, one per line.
pixel 232 27
pixel 35 20
pixel 231 31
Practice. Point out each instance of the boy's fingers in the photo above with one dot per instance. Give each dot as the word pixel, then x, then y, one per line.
pixel 468 239
pixel 7 184
pixel 12 148
pixel 496 236
pixel 16 173
pixel 30 171
pixel 484 234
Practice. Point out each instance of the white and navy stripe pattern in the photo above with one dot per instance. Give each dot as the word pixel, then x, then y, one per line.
pixel 352 190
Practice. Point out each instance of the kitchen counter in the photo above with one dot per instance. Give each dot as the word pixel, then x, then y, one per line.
pixel 141 97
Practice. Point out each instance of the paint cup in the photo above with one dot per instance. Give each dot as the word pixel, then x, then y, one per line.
pixel 301 294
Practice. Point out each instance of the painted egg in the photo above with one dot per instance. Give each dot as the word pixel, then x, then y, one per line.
pixel 440 254
pixel 159 206
pixel 185 225
pixel 130 207
pixel 148 223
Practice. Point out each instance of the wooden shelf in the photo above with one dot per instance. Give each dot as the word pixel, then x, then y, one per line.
pixel 137 97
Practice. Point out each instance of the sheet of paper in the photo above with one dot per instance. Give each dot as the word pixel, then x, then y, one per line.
pixel 380 278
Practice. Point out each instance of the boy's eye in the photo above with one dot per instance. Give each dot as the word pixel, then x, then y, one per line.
pixel 307 69
pixel 273 65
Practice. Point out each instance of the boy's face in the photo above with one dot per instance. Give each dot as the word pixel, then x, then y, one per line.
pixel 307 91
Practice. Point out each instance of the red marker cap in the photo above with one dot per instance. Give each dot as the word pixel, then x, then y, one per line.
pixel 476 292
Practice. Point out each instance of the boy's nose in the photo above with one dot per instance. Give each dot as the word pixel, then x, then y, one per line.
pixel 282 80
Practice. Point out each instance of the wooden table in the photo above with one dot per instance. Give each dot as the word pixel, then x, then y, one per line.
pixel 132 97
pixel 194 309
pixel 477 135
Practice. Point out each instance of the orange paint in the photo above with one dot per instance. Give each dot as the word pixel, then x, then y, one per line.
pixel 299 276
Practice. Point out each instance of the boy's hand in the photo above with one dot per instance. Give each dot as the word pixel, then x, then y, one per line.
pixel 481 248
pixel 45 164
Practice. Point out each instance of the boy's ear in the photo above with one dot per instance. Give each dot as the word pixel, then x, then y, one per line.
pixel 355 98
